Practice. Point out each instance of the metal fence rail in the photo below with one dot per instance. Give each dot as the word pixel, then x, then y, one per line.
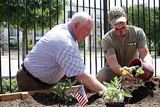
pixel 23 22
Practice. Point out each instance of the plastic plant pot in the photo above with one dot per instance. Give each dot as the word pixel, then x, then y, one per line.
pixel 148 70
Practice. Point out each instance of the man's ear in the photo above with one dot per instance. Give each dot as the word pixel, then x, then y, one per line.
pixel 76 24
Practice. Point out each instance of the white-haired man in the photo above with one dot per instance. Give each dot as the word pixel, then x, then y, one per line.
pixel 57 55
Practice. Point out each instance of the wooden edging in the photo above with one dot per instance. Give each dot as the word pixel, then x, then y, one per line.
pixel 155 79
pixel 24 95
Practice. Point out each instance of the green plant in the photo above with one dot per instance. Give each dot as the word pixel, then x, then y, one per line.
pixel 29 43
pixel 61 92
pixel 81 45
pixel 114 91
pixel 135 71
pixel 6 85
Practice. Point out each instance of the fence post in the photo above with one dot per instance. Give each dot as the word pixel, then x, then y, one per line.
pixel 105 11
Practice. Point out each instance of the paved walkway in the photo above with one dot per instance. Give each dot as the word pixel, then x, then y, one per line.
pixel 14 65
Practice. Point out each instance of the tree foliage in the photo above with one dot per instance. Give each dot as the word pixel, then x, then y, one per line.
pixel 148 19
pixel 30 14
pixel 24 12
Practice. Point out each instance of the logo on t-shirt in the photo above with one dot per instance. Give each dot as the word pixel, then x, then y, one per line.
pixel 132 44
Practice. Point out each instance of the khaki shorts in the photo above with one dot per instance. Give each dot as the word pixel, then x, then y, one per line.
pixel 106 74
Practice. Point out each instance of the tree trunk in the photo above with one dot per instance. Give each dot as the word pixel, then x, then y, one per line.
pixel 23 45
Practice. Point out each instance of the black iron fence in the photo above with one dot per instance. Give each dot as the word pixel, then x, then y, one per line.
pixel 23 22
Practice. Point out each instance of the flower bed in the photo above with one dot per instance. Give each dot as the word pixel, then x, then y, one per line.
pixel 142 97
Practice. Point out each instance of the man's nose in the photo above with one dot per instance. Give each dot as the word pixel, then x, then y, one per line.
pixel 119 26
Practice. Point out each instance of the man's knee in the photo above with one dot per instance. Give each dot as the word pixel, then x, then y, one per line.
pixel 102 75
pixel 105 74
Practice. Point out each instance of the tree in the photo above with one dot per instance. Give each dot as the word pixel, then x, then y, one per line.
pixel 29 14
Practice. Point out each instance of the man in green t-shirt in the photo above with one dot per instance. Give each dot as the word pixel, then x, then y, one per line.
pixel 122 44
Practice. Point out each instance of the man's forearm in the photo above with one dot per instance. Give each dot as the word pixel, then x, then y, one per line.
pixel 116 68
pixel 114 65
pixel 91 83
pixel 146 56
pixel 148 60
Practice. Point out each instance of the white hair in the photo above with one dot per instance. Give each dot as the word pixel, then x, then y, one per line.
pixel 82 17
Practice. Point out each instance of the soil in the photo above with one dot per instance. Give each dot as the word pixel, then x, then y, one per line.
pixel 142 97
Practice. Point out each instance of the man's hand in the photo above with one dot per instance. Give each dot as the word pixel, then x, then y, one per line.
pixel 90 82
pixel 129 76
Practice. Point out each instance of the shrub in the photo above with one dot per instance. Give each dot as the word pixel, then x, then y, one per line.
pixel 6 86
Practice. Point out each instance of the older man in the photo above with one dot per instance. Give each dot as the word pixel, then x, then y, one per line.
pixel 57 55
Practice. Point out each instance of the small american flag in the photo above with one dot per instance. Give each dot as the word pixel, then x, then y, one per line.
pixel 81 96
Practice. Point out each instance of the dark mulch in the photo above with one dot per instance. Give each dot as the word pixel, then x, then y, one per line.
pixel 142 97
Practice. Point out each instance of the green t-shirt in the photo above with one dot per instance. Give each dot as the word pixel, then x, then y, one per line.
pixel 125 48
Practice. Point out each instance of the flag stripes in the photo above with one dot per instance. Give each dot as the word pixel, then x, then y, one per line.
pixel 81 96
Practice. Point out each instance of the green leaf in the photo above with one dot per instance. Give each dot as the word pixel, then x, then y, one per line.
pixel 125 72
pixel 113 92
pixel 127 95
pixel 140 70
pixel 60 90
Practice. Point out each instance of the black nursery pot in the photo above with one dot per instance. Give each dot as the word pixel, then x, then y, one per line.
pixel 115 104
